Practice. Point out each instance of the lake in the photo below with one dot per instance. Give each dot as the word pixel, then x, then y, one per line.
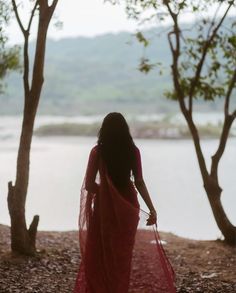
pixel 169 166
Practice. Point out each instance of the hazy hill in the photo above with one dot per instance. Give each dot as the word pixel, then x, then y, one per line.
pixel 96 75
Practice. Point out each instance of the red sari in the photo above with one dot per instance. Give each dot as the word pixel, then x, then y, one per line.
pixel 116 255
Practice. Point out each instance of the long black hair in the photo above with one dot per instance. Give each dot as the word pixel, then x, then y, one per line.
pixel 117 148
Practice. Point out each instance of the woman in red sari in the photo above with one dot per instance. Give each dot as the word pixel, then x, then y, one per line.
pixel 116 255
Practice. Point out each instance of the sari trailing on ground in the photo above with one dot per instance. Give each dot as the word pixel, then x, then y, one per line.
pixel 117 256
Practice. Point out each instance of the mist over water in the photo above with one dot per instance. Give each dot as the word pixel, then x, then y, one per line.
pixel 169 167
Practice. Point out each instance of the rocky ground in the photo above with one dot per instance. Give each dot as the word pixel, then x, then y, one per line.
pixel 200 266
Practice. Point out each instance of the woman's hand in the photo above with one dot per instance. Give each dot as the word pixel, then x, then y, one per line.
pixel 152 219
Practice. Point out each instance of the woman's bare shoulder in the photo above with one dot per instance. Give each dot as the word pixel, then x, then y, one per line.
pixel 94 150
pixel 136 149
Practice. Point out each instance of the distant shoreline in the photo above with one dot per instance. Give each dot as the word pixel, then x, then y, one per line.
pixel 146 130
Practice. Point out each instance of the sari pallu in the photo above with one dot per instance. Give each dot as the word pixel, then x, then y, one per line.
pixel 117 254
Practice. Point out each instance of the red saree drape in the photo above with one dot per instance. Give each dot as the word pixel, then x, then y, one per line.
pixel 118 253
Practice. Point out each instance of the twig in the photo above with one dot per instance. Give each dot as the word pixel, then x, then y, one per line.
pixel 229 92
pixel 15 8
pixel 32 15
pixel 204 53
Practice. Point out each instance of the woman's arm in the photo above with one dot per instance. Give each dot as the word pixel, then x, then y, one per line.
pixel 92 169
pixel 142 189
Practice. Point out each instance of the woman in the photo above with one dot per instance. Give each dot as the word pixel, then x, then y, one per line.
pixel 112 248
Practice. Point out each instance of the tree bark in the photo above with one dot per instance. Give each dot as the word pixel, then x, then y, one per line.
pixel 228 230
pixel 211 185
pixel 23 239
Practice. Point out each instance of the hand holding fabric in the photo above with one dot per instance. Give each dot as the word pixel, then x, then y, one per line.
pixel 152 219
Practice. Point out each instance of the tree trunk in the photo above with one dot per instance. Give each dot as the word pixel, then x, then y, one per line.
pixel 226 227
pixel 211 185
pixel 22 239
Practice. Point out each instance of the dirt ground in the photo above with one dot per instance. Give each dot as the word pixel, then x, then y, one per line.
pixel 200 266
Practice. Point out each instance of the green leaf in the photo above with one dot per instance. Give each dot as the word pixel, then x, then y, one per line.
pixel 144 66
pixel 140 37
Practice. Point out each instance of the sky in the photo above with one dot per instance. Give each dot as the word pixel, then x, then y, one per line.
pixel 80 18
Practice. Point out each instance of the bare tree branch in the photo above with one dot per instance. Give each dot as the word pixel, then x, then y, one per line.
pixel 170 41
pixel 234 114
pixel 175 71
pixel 32 15
pixel 190 104
pixel 213 20
pixel 172 14
pixel 175 53
pixel 26 67
pixel 190 100
pixel 26 53
pixel 15 8
pixel 229 92
pixel 228 120
pixel 204 52
pixel 45 14
pixel 53 5
pixel 198 148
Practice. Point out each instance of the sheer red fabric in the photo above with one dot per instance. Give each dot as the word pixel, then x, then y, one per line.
pixel 119 254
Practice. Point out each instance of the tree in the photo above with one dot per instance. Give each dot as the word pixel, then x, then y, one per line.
pixel 23 239
pixel 9 57
pixel 203 67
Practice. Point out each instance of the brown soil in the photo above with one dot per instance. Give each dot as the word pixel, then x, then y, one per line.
pixel 200 266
